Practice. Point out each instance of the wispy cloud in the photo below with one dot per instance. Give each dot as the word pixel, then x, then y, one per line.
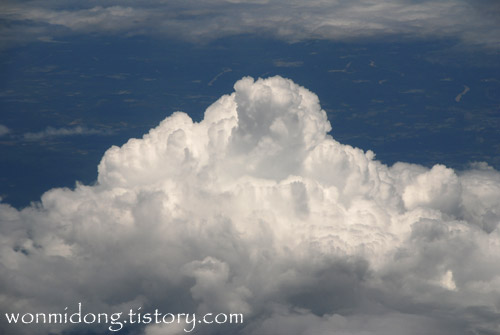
pixel 282 63
pixel 458 98
pixel 473 22
pixel 413 91
pixel 214 79
pixel 50 132
pixel 4 130
pixel 344 70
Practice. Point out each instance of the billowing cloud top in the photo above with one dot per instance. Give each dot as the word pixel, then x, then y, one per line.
pixel 472 21
pixel 257 210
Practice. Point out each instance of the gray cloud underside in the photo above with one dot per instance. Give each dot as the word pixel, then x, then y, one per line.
pixel 474 22
pixel 257 210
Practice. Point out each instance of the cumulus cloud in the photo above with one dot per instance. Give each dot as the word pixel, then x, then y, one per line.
pixel 64 131
pixel 257 210
pixel 475 22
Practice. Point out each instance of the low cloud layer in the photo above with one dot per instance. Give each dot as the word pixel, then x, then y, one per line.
pixel 473 22
pixel 257 210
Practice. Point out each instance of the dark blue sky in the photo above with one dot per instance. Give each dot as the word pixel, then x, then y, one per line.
pixel 66 103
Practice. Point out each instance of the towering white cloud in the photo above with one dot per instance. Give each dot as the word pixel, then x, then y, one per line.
pixel 257 210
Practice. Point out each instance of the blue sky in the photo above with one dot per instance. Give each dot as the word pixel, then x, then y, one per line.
pixel 73 99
